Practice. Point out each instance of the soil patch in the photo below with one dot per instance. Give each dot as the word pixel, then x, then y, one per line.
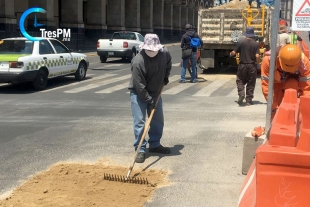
pixel 236 4
pixel 78 184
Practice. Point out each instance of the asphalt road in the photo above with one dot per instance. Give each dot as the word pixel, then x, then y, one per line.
pixel 90 120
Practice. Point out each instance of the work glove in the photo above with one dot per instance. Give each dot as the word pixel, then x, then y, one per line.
pixel 151 105
pixel 166 81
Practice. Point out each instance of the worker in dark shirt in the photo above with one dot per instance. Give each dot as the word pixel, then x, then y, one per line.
pixel 247 69
pixel 186 44
pixel 150 69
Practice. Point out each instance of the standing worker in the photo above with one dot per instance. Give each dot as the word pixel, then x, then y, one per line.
pixel 283 36
pixel 247 69
pixel 150 70
pixel 189 35
pixel 292 70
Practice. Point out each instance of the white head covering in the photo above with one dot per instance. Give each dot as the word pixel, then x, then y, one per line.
pixel 151 42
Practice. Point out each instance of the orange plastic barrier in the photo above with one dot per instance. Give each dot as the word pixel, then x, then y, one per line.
pixel 305 111
pixel 284 126
pixel 247 196
pixel 282 171
pixel 283 174
pixel 279 175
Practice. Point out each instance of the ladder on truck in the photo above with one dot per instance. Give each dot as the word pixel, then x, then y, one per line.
pixel 256 18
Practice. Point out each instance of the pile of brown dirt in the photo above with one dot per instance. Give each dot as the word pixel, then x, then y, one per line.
pixel 235 4
pixel 76 184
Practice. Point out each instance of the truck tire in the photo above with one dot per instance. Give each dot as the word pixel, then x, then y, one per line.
pixel 40 82
pixel 80 72
pixel 103 59
pixel 217 65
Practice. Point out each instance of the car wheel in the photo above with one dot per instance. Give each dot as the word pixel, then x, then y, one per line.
pixel 80 72
pixel 103 59
pixel 133 54
pixel 40 82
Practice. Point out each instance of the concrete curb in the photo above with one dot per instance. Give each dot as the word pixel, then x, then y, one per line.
pixel 250 145
pixel 90 54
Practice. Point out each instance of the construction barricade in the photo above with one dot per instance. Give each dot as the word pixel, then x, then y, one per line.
pixel 280 172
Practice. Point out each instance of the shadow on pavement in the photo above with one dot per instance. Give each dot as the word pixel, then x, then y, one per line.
pixel 175 151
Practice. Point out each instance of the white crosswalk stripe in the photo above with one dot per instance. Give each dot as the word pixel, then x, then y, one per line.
pixel 176 64
pixel 174 78
pixel 233 93
pixel 209 89
pixel 109 66
pixel 114 88
pixel 99 84
pixel 179 88
pixel 79 83
pixel 110 83
pixel 171 79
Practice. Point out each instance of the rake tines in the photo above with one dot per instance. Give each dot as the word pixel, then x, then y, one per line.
pixel 120 178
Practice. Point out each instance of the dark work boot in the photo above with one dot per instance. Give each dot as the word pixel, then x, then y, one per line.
pixel 160 149
pixel 249 103
pixel 240 100
pixel 140 157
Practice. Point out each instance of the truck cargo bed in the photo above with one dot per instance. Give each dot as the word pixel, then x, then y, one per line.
pixel 215 26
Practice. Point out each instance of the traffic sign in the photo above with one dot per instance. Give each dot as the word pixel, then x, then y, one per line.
pixel 301 15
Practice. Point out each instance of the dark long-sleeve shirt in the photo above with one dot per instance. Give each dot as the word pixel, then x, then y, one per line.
pixel 186 42
pixel 148 74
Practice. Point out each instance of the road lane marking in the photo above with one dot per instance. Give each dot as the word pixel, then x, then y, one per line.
pixel 233 93
pixel 114 88
pixel 209 89
pixel 176 64
pixel 179 88
pixel 80 82
pixel 99 84
pixel 171 79
pixel 107 66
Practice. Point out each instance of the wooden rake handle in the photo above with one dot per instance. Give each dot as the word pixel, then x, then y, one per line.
pixel 146 127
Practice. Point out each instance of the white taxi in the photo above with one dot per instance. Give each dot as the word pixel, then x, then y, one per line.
pixel 22 60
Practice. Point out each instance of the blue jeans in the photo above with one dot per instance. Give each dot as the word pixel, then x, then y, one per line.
pixel 139 109
pixel 184 66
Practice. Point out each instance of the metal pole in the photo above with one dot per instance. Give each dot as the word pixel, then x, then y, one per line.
pixel 291 4
pixel 274 36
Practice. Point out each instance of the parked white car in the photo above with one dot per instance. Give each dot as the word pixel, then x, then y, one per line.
pixel 122 44
pixel 22 60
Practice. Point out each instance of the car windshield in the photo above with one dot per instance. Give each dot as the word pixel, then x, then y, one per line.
pixel 16 47
pixel 124 36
